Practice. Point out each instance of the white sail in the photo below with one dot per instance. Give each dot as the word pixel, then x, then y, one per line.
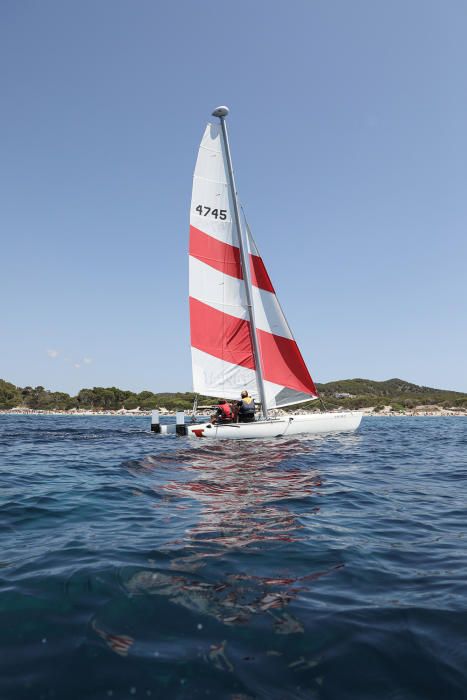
pixel 222 355
pixel 222 351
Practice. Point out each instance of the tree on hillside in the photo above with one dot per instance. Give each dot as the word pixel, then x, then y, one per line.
pixel 37 398
pixel 10 395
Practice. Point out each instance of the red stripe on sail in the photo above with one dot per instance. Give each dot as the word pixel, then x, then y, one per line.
pixel 221 335
pixel 283 363
pixel 259 275
pixel 221 256
pixel 228 338
pixel 226 258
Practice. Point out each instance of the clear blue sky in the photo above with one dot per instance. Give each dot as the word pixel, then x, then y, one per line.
pixel 348 128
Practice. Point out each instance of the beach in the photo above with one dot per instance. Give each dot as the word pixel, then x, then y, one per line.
pixel 367 412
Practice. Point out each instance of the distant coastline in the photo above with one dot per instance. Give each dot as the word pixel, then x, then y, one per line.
pixel 434 411
pixel 390 397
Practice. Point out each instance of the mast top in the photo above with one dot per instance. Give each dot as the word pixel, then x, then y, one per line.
pixel 220 112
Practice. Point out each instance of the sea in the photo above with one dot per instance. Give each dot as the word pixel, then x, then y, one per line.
pixel 321 568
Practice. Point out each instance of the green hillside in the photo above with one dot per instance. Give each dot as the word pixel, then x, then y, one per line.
pixel 346 393
pixel 396 392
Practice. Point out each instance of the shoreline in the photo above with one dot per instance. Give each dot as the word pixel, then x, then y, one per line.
pixel 422 411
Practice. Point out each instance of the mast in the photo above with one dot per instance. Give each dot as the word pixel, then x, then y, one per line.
pixel 222 112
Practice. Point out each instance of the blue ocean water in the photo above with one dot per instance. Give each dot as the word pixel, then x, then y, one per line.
pixel 135 566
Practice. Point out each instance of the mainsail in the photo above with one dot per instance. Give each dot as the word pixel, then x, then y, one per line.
pixel 223 358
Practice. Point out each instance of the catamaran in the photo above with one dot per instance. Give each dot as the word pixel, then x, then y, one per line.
pixel 240 338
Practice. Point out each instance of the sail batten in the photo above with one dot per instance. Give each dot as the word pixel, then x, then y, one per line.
pixel 221 333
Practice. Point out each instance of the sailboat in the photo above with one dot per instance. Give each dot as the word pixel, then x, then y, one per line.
pixel 240 338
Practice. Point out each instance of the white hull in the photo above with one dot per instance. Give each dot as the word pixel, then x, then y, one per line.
pixel 307 424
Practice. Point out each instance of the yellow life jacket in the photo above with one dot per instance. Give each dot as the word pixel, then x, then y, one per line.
pixel 247 406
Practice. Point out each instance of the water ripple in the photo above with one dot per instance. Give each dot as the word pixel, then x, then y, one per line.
pixel 326 567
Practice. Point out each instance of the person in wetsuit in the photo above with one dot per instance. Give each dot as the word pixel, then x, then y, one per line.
pixel 246 408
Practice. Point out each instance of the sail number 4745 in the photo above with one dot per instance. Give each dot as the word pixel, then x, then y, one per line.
pixel 216 213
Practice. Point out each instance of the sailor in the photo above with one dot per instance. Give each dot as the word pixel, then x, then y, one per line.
pixel 223 414
pixel 246 408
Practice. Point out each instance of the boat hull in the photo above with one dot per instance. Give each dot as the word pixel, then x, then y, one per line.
pixel 305 424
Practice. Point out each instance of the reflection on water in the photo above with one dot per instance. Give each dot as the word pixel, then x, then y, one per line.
pixel 243 498
pixel 240 499
pixel 119 643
